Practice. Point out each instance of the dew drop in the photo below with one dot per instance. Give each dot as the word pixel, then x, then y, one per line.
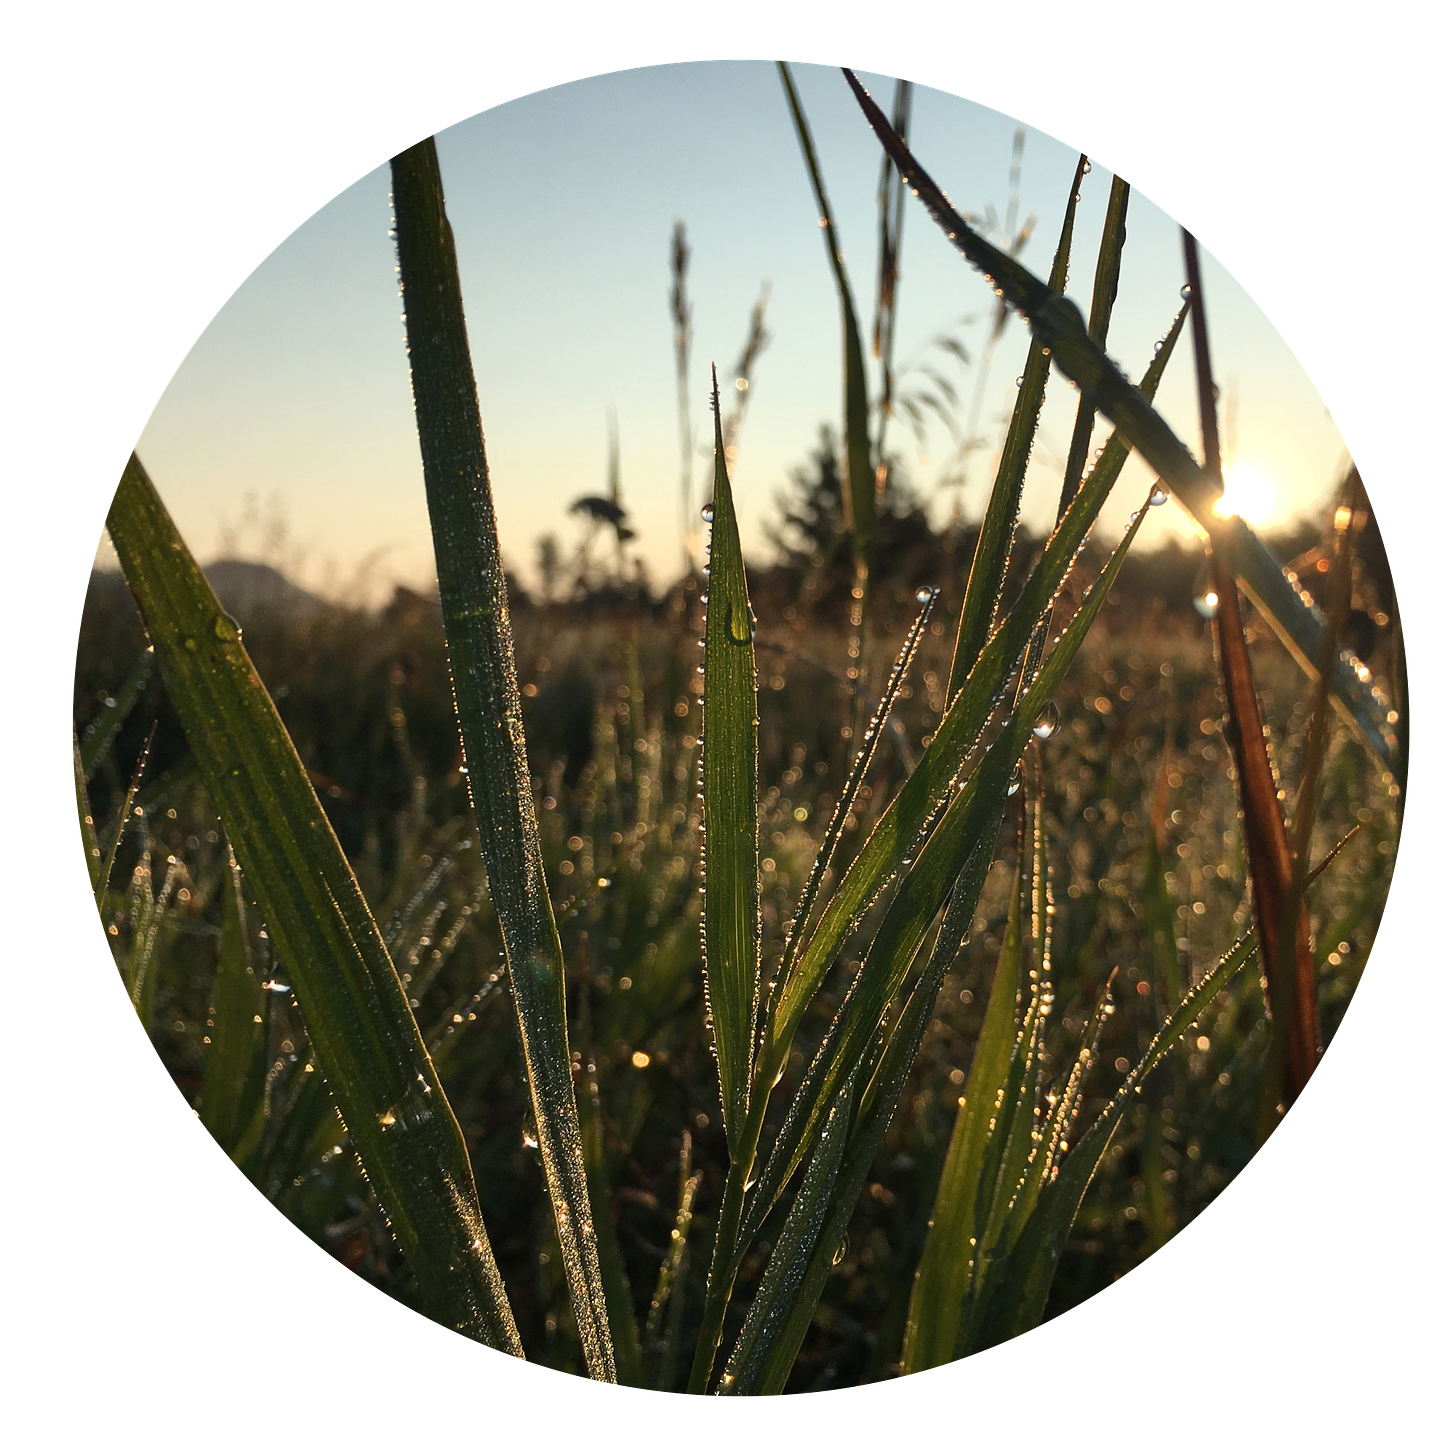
pixel 1048 721
pixel 707 513
pixel 1186 291
pixel 1159 496
pixel 226 629
pixel 1205 596
pixel 924 594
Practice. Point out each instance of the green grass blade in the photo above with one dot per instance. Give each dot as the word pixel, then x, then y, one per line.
pixel 782 1285
pixel 149 920
pixel 615 1289
pixel 1160 924
pixel 232 1081
pixel 882 715
pixel 943 1275
pixel 963 837
pixel 877 1106
pixel 1057 322
pixel 998 524
pixel 124 818
pixel 488 707
pixel 664 1316
pixel 1025 1278
pixel 731 926
pixel 1104 294
pixel 357 1015
pixel 107 724
pixel 1008 1187
pixel 903 822
pixel 859 480
pixel 88 823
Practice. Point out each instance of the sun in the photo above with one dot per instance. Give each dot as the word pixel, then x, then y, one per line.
pixel 1248 492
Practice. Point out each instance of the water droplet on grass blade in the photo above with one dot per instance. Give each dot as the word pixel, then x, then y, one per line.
pixel 924 594
pixel 1048 721
pixel 1158 496
pixel 707 513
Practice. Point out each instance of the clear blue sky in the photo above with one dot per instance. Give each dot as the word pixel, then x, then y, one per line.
pixel 562 205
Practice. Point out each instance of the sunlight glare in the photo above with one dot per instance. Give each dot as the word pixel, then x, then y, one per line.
pixel 1248 492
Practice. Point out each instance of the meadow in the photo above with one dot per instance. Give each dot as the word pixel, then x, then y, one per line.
pixel 817 971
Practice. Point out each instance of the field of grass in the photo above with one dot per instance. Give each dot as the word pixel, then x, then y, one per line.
pixel 619 1140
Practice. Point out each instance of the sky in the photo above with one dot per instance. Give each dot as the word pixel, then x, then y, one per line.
pixel 293 409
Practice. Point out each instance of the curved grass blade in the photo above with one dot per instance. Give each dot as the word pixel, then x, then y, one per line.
pixel 958 849
pixel 88 822
pixel 488 707
pixel 883 714
pixel 667 1296
pixel 357 1015
pixel 859 480
pixel 782 1285
pixel 107 724
pixel 1104 294
pixel 730 921
pixel 998 524
pixel 104 883
pixel 944 1272
pixel 923 793
pixel 1023 1279
pixel 232 1081
pixel 892 232
pixel 617 1292
pixel 876 1107
pixel 1057 322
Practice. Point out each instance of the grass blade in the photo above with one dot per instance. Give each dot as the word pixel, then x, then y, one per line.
pixel 859 480
pixel 124 817
pixel 488 707
pixel 943 1275
pixel 1159 922
pixel 730 803
pixel 617 1292
pixel 667 1296
pixel 891 207
pixel 903 822
pixel 357 1015
pixel 1104 294
pixel 883 714
pixel 232 1082
pixel 998 525
pixel 88 822
pixel 960 844
pixel 107 724
pixel 731 925
pixel 877 1106
pixel 1059 325
pixel 1023 1279
pixel 782 1285
pixel 1266 845
pixel 1021 1282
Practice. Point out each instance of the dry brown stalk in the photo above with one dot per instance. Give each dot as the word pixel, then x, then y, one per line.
pixel 1266 845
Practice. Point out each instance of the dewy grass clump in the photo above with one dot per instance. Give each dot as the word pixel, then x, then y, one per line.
pixel 829 1000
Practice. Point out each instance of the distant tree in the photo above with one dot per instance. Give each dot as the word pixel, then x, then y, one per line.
pixel 812 547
